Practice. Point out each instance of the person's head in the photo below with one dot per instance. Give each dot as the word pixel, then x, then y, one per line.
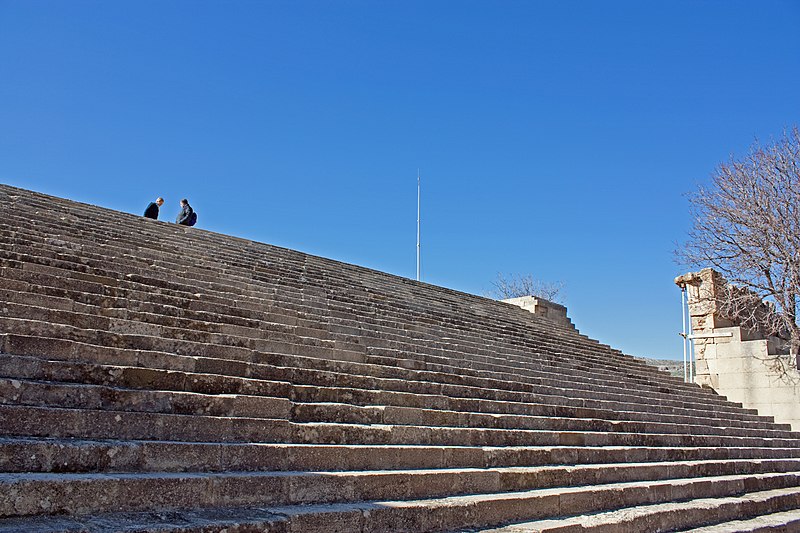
pixel 160 201
pixel 184 202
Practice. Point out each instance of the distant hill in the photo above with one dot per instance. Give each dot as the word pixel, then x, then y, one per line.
pixel 674 367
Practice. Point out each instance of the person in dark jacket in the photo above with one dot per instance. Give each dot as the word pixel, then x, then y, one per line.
pixel 185 215
pixel 152 209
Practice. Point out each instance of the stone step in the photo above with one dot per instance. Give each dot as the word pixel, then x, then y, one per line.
pixel 457 513
pixel 780 522
pixel 104 262
pixel 218 520
pixel 181 379
pixel 629 361
pixel 58 326
pixel 438 410
pixel 82 396
pixel 248 520
pixel 82 494
pixel 567 360
pixel 148 244
pixel 68 305
pixel 54 422
pixel 686 515
pixel 461 512
pixel 397 407
pixel 26 454
pixel 201 375
pixel 452 378
pixel 229 242
pixel 126 308
pixel 111 302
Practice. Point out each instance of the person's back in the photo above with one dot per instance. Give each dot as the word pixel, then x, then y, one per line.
pixel 186 216
pixel 152 209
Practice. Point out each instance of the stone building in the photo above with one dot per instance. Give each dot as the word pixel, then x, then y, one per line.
pixel 739 362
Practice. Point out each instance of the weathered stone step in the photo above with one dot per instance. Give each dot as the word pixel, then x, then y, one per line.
pixel 148 244
pixel 135 377
pixel 112 307
pixel 431 370
pixel 81 494
pixel 83 396
pixel 260 339
pixel 103 262
pixel 59 327
pixel 53 422
pixel 117 301
pixel 461 512
pixel 146 342
pixel 250 520
pixel 68 351
pixel 219 520
pixel 566 361
pixel 543 383
pixel 27 454
pixel 632 363
pixel 780 522
pixel 202 375
pixel 455 513
pixel 689 514
pixel 127 309
pixel 383 370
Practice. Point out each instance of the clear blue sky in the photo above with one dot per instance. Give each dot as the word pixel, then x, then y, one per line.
pixel 554 138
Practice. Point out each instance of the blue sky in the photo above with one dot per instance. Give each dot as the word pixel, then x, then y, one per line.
pixel 554 138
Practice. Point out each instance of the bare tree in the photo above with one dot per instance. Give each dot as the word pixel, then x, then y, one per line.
pixel 747 226
pixel 516 286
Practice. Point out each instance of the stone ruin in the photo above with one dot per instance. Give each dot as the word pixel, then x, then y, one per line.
pixel 159 378
pixel 739 361
pixel 543 308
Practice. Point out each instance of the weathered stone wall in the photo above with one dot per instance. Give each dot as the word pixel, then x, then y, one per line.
pixel 543 308
pixel 738 363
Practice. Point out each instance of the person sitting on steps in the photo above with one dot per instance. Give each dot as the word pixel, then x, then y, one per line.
pixel 152 208
pixel 186 216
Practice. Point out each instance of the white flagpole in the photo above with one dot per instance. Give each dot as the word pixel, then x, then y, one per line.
pixel 418 212
pixel 685 333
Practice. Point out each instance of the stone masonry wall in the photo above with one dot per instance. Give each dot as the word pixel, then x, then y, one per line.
pixel 738 363
pixel 543 308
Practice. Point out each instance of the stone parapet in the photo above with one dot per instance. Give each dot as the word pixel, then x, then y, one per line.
pixel 543 308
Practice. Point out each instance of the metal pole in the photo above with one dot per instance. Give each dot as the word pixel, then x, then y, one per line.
pixel 418 218
pixel 685 340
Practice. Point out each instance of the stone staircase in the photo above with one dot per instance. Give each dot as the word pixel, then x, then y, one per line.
pixel 158 378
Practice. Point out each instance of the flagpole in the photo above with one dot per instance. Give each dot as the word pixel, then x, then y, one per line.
pixel 418 218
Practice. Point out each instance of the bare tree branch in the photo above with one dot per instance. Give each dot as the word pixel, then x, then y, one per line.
pixel 747 226
pixel 516 286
